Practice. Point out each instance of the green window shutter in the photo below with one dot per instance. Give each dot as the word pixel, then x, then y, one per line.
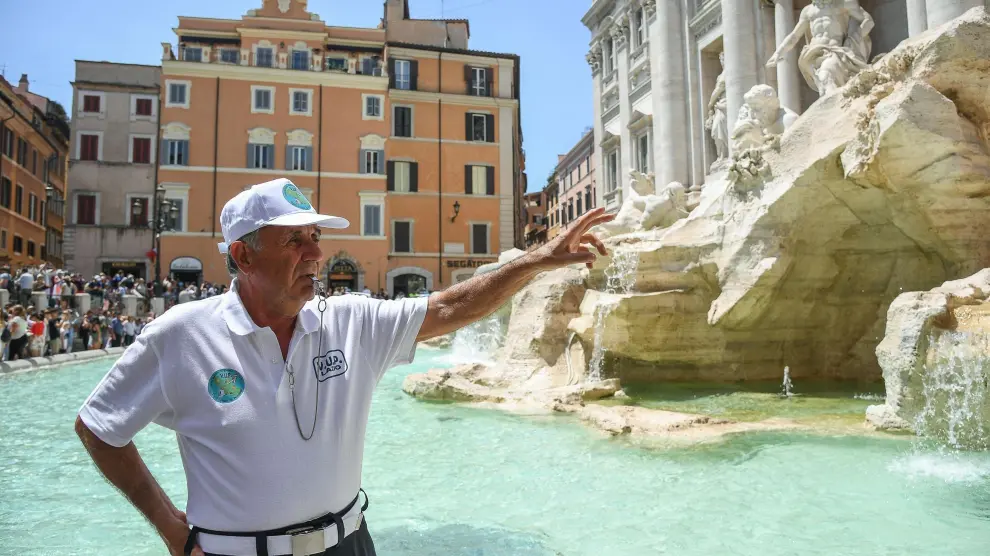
pixel 361 157
pixel 391 73
pixel 414 177
pixel 309 159
pixel 381 162
pixel 490 179
pixel 390 176
pixel 489 77
pixel 288 157
pixel 185 153
pixel 467 179
pixel 468 128
pixel 490 128
pixel 467 78
pixel 413 75
pixel 270 156
pixel 250 156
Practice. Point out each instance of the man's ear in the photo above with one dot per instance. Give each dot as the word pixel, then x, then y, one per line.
pixel 242 255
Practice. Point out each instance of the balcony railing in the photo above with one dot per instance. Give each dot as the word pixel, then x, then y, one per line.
pixel 317 61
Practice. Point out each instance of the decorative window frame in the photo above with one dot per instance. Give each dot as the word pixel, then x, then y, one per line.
pixel 292 102
pixel 176 131
pixel 299 138
pixel 168 93
pixel 75 207
pixel 179 191
pixel 264 44
pixel 78 149
pixel 373 198
pixel 135 117
pixel 130 147
pixel 271 91
pixel 102 114
pixel 301 46
pixel 364 107
pixel 129 198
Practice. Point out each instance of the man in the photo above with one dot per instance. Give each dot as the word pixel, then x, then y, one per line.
pixel 54 332
pixel 26 284
pixel 838 43
pixel 269 390
pixel 116 331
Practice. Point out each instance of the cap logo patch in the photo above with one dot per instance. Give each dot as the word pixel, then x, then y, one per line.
pixel 295 197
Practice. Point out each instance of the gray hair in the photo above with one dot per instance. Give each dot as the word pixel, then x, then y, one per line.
pixel 252 240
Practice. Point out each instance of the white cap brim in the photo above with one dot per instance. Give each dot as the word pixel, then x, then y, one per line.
pixel 301 219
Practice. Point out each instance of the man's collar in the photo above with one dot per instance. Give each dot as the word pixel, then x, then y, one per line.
pixel 240 322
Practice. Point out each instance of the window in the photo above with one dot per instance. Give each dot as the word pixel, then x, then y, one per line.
pixel 141 150
pixel 587 165
pixel 30 248
pixel 480 127
pixel 299 158
pixel 536 219
pixel 91 104
pixel 370 66
pixel 402 121
pixel 372 220
pixel 19 199
pixel 33 207
pixel 579 211
pixel 373 107
pixel 192 54
pixel 612 171
pixel 372 162
pixel 34 162
pixel 300 101
pixel 402 237
pixel 262 99
pixel 18 244
pixel 138 211
pixel 3 239
pixel 480 180
pixel 263 58
pixel 176 223
pixel 337 64
pixel 401 177
pixel 479 238
pixel 570 210
pixel 22 151
pixel 8 143
pixel 643 153
pixel 479 81
pixel 178 94
pixel 300 60
pixel 143 107
pixel 5 193
pixel 261 156
pixel 640 16
pixel 230 56
pixel 176 152
pixel 607 56
pixel 403 75
pixel 587 198
pixel 89 147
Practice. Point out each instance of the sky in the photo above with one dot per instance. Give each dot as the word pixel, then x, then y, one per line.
pixel 44 37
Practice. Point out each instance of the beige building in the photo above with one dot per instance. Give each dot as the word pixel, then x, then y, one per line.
pixel 115 120
pixel 576 188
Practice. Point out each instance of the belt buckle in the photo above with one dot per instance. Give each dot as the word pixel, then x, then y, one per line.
pixel 307 541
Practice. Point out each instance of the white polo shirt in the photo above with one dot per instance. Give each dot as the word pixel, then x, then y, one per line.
pixel 206 371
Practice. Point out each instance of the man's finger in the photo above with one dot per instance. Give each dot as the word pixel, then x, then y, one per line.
pixel 590 238
pixel 586 222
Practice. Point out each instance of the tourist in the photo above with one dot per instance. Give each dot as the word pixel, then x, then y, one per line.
pixel 25 285
pixel 4 336
pixel 54 334
pixel 116 331
pixel 129 331
pixel 204 357
pixel 65 332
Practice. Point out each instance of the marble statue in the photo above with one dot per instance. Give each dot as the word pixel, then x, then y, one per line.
pixel 643 209
pixel 761 119
pixel 717 122
pixel 838 35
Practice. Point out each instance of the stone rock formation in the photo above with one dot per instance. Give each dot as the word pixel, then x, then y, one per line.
pixel 918 325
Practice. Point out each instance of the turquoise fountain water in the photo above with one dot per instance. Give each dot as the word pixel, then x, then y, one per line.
pixel 450 480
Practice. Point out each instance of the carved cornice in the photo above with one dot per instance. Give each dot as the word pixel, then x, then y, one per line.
pixel 650 7
pixel 620 31
pixel 594 59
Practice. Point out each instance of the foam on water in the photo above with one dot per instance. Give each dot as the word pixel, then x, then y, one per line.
pixel 956 391
pixel 951 467
pixel 478 342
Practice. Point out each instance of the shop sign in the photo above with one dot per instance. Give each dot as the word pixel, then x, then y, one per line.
pixel 187 264
pixel 467 263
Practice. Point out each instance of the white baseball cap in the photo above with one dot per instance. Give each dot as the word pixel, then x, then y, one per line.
pixel 273 203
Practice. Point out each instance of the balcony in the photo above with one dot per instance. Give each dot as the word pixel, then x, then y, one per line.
pixel 316 60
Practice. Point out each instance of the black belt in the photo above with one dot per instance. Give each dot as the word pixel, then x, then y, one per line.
pixel 261 537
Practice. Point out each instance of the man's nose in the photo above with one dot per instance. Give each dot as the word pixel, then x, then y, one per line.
pixel 313 252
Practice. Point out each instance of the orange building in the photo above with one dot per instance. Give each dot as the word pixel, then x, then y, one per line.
pixel 535 205
pixel 34 142
pixel 400 129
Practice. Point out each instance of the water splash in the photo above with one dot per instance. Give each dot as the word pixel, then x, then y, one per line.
pixel 956 392
pixel 620 278
pixel 478 342
pixel 787 387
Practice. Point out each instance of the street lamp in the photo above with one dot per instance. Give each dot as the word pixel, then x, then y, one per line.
pixel 457 210
pixel 166 213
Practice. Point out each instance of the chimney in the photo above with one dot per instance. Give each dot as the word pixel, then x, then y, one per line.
pixel 22 85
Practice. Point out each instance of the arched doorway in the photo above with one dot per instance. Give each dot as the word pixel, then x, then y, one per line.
pixel 408 280
pixel 342 274
pixel 187 270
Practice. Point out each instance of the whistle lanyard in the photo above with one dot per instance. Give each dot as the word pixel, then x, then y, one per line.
pixel 322 306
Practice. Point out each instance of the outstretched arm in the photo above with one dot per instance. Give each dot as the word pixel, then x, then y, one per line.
pixel 475 299
pixel 792 39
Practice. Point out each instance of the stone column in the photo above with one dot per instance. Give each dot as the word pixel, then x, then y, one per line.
pixel 594 59
pixel 788 77
pixel 620 36
pixel 39 300
pixel 942 11
pixel 157 306
pixel 83 301
pixel 741 71
pixel 670 108
pixel 917 14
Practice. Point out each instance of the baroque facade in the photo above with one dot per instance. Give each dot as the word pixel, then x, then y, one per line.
pixel 398 127
pixel 670 76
